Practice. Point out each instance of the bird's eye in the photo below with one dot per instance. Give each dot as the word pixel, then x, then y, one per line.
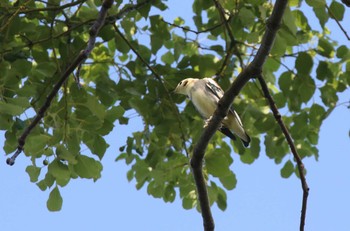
pixel 185 83
pixel 180 83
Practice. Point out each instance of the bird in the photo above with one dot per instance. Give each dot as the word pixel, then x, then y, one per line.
pixel 205 94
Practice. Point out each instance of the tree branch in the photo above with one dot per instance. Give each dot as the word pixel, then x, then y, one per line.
pixel 76 63
pixel 253 69
pixel 294 151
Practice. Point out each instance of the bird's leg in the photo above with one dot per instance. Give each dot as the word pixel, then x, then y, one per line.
pixel 206 122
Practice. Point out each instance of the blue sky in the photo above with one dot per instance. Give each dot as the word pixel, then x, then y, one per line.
pixel 262 200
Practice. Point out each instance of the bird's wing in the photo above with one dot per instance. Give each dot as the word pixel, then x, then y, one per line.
pixel 218 92
pixel 224 130
pixel 236 116
pixel 214 88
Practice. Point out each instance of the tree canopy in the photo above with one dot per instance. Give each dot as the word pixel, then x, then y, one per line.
pixel 137 60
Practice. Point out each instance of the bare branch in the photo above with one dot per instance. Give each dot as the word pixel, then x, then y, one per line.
pixel 252 70
pixel 294 151
pixel 77 62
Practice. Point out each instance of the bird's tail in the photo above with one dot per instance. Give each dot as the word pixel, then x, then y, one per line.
pixel 228 133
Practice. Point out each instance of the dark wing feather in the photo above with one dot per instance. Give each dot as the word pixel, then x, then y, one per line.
pixel 214 88
pixel 227 132
pixel 218 92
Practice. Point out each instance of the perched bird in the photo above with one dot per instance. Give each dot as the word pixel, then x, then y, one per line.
pixel 205 95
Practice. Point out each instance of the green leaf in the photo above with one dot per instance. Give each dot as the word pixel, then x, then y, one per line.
pixel 265 123
pixel 33 173
pixel 287 169
pixel 279 46
pixel 301 21
pixel 285 82
pixel 246 17
pixel 304 63
pixel 337 10
pixel 169 194
pixel 280 100
pixel 11 109
pixel 221 199
pixel 63 154
pixel 154 189
pixel 316 115
pixel 323 71
pixel 59 171
pixel 95 107
pixel 22 67
pixel 299 129
pixel 54 203
pixel 229 181
pixel 44 70
pixel 316 3
pixel 42 185
pixel 217 164
pixel 88 167
pixel 36 143
pixel 322 15
pixel 49 179
pixel 189 202
pixel 289 21
pixel 325 48
pixel 6 122
pixel 306 88
pixel 251 154
pixel 96 144
pixel 168 58
pixel 329 95
pixel 343 52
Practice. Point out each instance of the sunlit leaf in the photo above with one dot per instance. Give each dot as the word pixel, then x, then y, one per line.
pixel 54 203
pixel 287 169
pixel 33 173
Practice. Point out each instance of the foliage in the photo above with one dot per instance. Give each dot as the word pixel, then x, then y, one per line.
pixel 138 60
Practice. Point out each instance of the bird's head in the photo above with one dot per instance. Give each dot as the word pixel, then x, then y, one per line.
pixel 184 86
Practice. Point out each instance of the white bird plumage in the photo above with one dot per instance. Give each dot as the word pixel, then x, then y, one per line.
pixel 205 94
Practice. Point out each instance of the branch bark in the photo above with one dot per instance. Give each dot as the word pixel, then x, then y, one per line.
pixel 254 69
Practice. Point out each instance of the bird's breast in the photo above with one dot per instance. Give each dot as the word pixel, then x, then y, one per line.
pixel 204 103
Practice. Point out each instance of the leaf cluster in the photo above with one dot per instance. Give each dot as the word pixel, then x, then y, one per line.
pixel 138 59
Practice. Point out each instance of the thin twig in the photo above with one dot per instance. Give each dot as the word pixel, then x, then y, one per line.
pixel 294 151
pixel 52 8
pixel 232 48
pixel 159 78
pixel 337 21
pixel 78 60
pixel 252 70
pixel 191 30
